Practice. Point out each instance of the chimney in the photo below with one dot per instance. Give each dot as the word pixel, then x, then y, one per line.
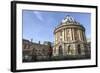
pixel 39 42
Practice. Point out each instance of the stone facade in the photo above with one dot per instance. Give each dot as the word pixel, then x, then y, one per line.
pixel 36 51
pixel 70 38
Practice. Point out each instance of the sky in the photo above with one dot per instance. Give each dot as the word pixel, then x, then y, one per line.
pixel 39 25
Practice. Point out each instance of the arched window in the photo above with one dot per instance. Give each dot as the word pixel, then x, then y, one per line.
pixel 69 49
pixel 60 51
pixel 78 49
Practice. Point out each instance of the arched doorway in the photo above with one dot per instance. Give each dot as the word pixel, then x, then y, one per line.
pixel 78 49
pixel 60 51
pixel 69 49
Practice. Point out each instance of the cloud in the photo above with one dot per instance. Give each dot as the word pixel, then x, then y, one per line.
pixel 38 15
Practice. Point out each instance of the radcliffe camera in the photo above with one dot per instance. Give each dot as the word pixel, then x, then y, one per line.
pixel 48 36
pixel 55 36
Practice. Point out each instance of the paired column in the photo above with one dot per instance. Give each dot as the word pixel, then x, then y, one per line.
pixel 73 34
pixel 70 34
pixel 80 34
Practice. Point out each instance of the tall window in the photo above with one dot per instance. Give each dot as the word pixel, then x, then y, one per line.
pixel 69 49
pixel 60 51
pixel 78 49
pixel 76 34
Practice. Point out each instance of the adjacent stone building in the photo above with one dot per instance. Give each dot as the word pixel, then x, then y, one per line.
pixel 70 38
pixel 36 51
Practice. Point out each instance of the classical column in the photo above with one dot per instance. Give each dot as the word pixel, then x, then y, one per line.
pixel 64 34
pixel 80 35
pixel 73 37
pixel 57 37
pixel 54 38
pixel 84 36
pixel 73 34
pixel 70 34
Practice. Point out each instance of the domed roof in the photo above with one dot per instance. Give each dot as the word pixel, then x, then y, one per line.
pixel 68 18
pixel 70 22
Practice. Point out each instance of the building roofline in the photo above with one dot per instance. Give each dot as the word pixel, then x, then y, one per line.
pixel 69 25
